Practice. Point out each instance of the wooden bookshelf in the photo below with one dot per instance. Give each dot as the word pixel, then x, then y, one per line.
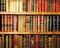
pixel 42 33
pixel 31 13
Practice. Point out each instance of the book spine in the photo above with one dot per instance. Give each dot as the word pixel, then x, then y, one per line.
pixel 15 23
pixel 3 5
pixel 54 23
pixel 33 41
pixel 7 41
pixel 51 23
pixel 21 27
pixel 20 41
pixel 50 45
pixel 56 6
pixel 41 41
pixel 54 41
pixel 0 22
pixel 27 41
pixel 0 41
pixel 47 23
pixel 40 5
pixel 38 23
pixel 6 23
pixel 24 5
pixel 46 41
pixel 31 23
pixel 24 41
pixel 35 23
pixel 10 41
pixel 37 41
pixel 59 5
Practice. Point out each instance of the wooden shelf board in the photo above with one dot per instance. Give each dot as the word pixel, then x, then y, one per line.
pixel 32 13
pixel 48 33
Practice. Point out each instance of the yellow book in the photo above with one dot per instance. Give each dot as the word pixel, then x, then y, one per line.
pixel 21 24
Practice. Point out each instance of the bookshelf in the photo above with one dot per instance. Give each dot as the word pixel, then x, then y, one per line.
pixel 29 33
pixel 31 13
pixel 30 23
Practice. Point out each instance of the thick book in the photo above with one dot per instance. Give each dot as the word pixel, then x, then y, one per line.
pixel 21 24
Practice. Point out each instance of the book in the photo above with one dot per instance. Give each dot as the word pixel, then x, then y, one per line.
pixel 10 41
pixel 6 23
pixel 54 40
pixel 37 41
pixel 51 23
pixel 47 23
pixel 0 22
pixel 21 26
pixel 41 41
pixel 54 23
pixel 0 41
pixel 3 5
pixel 46 41
pixel 35 23
pixel 33 41
pixel 50 42
pixel 7 41
pixel 20 40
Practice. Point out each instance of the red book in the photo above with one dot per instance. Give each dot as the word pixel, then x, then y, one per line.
pixel 56 6
pixel 27 41
pixel 37 41
pixel 43 6
pixel 40 5
pixel 46 5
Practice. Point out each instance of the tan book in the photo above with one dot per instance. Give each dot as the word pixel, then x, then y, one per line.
pixel 35 23
pixel 27 23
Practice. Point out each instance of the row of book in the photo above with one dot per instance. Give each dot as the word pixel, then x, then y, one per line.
pixel 30 41
pixel 30 5
pixel 30 23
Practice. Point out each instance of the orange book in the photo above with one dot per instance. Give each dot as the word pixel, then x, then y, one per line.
pixel 6 23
